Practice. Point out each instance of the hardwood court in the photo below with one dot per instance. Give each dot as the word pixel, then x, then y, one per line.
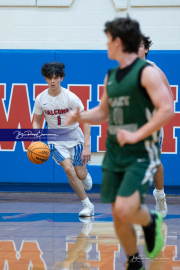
pixel 43 231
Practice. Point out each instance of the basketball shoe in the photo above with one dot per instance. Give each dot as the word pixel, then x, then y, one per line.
pixel 161 205
pixel 87 211
pixel 87 183
pixel 153 236
pixel 131 267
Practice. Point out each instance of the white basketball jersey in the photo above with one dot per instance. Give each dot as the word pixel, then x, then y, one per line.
pixel 150 62
pixel 55 110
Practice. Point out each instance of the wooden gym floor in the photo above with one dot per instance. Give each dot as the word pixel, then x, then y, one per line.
pixel 43 231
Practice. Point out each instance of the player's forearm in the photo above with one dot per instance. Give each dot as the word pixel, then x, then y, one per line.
pixel 160 118
pixel 36 125
pixel 93 116
pixel 87 129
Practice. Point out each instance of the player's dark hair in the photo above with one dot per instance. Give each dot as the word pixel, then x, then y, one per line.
pixel 127 30
pixel 147 42
pixel 51 68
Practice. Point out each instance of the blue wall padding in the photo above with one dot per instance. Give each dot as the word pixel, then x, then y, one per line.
pixel 82 67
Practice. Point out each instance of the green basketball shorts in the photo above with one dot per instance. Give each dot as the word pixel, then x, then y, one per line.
pixel 137 176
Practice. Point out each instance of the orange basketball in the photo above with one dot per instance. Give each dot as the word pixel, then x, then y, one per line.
pixel 38 152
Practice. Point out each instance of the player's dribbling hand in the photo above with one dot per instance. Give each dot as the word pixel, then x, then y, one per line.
pixel 72 117
pixel 86 154
pixel 124 136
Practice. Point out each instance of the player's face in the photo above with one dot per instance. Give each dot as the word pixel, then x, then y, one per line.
pixel 53 82
pixel 112 46
pixel 142 51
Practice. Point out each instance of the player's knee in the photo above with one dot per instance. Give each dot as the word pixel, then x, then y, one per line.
pixel 123 213
pixel 68 170
pixel 127 216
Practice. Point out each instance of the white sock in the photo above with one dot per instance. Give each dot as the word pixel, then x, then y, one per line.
pixel 159 193
pixel 86 201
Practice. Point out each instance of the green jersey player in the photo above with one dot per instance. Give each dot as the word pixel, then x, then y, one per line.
pixel 137 103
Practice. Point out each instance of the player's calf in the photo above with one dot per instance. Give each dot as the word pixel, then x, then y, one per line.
pixel 87 183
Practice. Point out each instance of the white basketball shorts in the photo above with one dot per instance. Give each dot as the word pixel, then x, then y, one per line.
pixel 60 153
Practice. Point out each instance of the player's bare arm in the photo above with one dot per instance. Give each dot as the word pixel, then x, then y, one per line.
pixel 86 153
pixel 164 78
pixel 161 98
pixel 96 115
pixel 37 121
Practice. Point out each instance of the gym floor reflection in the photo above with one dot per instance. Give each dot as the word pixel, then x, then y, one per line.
pixel 43 231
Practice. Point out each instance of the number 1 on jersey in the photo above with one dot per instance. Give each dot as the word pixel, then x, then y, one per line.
pixel 59 120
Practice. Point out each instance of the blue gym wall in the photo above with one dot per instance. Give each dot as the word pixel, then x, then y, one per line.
pixel 82 67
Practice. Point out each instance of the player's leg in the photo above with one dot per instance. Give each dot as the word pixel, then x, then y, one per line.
pixel 77 186
pixel 84 176
pixel 127 210
pixel 159 178
pixel 80 167
pixel 111 183
pixel 159 195
pixel 134 187
pixel 62 156
pixel 73 179
pixel 126 231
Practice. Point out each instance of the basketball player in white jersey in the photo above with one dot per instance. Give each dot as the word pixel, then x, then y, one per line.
pixel 160 197
pixel 73 151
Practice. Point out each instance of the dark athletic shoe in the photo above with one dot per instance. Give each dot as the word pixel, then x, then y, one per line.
pixel 154 231
pixel 127 266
